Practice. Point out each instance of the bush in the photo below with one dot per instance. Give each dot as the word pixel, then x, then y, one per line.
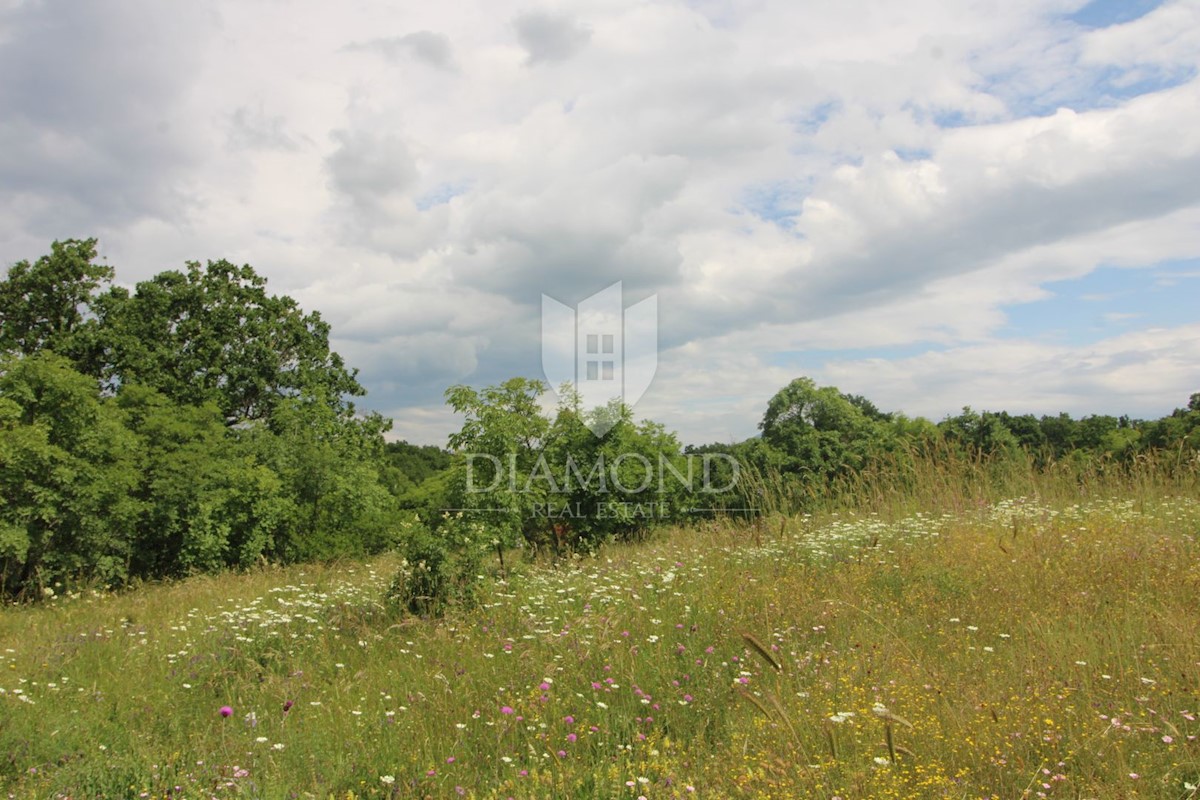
pixel 441 567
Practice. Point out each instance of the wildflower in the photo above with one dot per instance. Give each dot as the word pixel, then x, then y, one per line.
pixel 506 709
pixel 387 780
pixel 226 711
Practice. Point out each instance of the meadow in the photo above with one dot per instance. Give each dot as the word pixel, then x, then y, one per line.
pixel 1036 646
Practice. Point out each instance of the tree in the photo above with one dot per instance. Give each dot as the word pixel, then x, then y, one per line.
pixel 821 433
pixel 869 409
pixel 51 304
pixel 196 424
pixel 409 465
pixel 68 471
pixel 1061 433
pixel 329 468
pixel 502 436
pixel 552 481
pixel 206 503
pixel 214 334
pixel 980 433
pixel 614 486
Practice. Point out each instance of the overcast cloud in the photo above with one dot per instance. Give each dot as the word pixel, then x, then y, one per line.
pixel 929 204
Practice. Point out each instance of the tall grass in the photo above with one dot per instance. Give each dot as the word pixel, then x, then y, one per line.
pixel 940 476
pixel 936 638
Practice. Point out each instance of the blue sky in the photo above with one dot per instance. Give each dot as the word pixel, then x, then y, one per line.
pixel 929 204
pixel 1088 309
pixel 1104 13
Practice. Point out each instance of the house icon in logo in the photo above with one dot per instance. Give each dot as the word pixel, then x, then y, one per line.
pixel 606 352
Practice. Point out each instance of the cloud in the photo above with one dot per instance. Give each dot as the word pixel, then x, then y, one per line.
pixel 368 168
pixel 805 188
pixel 93 124
pixel 1168 36
pixel 253 128
pixel 429 47
pixel 1137 373
pixel 549 37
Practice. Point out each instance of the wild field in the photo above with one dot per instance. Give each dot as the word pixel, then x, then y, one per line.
pixel 1020 648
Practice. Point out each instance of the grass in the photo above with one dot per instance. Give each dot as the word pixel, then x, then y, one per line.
pixel 1019 648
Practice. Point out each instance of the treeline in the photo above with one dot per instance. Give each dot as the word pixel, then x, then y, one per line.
pixel 193 424
pixel 817 442
pixel 199 423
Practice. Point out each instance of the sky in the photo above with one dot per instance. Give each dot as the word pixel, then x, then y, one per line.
pixel 931 204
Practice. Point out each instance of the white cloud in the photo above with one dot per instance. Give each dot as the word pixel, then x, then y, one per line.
pixel 787 177
pixel 1137 373
pixel 550 36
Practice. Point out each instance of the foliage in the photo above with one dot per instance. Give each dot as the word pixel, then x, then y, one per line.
pixel 196 424
pixel 68 475
pixel 50 304
pixel 406 465
pixel 214 334
pixel 818 431
pixel 207 504
pixel 442 568
pixel 549 481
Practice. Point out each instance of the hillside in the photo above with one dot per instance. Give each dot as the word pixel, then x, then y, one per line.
pixel 1012 648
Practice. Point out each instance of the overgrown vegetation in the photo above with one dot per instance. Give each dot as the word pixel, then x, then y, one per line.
pixel 1012 647
pixel 195 424
pixel 199 423
pixel 821 449
pixel 853 604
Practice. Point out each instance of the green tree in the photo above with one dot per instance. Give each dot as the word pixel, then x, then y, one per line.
pixel 1062 433
pixel 225 432
pixel 503 435
pixel 68 474
pixel 614 486
pixel 51 303
pixel 551 481
pixel 207 504
pixel 407 466
pixel 980 433
pixel 214 334
pixel 821 434
pixel 329 468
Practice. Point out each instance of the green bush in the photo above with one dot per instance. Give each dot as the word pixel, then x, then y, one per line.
pixel 442 567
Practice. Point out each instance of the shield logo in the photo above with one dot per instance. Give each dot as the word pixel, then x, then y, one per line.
pixel 604 351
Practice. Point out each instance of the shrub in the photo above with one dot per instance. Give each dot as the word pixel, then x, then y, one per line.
pixel 441 567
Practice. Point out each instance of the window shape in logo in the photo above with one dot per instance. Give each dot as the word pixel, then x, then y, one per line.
pixel 604 351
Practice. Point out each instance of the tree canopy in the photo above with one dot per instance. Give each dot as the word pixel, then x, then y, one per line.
pixel 195 423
